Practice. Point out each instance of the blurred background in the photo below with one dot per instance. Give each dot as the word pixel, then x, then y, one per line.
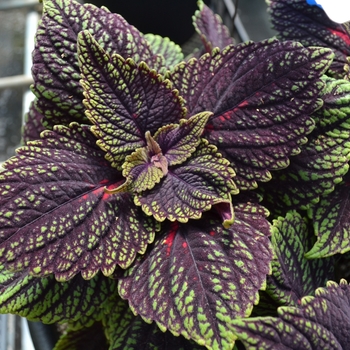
pixel 18 21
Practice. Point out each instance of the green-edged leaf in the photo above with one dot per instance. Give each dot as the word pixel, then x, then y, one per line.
pixel 297 20
pixel 200 276
pixel 323 161
pixel 46 300
pixel 294 276
pixel 188 189
pixel 171 52
pixel 335 111
pixel 55 216
pixel 262 95
pixel 321 322
pixel 55 59
pixel 127 332
pixel 178 142
pixel 211 29
pixel 144 168
pixel 89 338
pixel 124 100
pixel 332 222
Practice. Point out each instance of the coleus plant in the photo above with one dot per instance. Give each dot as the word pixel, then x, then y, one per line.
pixel 163 202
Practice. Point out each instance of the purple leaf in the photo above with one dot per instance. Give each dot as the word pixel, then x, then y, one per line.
pixel 199 277
pixel 144 168
pixel 262 95
pixel 323 161
pixel 189 189
pixel 32 124
pixel 297 20
pixel 124 100
pixel 321 322
pixel 178 142
pixel 55 61
pixel 211 29
pixel 55 215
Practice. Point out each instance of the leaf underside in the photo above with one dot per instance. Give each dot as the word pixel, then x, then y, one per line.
pixel 320 322
pixel 261 108
pixel 199 277
pixel 55 216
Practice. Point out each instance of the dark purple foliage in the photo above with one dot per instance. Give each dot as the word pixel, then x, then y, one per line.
pixel 296 20
pixel 321 322
pixel 261 96
pixel 127 186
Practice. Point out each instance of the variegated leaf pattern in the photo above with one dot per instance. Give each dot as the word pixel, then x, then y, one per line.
pixel 124 100
pixel 331 222
pixel 200 276
pixel 32 126
pixel 126 331
pixel 320 322
pixel 49 301
pixel 211 29
pixel 297 20
pixel 55 59
pixel 191 188
pixel 262 95
pixel 171 52
pixel 293 275
pixel 322 162
pixel 55 215
pixel 176 142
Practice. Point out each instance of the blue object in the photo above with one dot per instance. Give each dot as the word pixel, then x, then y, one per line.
pixel 313 3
